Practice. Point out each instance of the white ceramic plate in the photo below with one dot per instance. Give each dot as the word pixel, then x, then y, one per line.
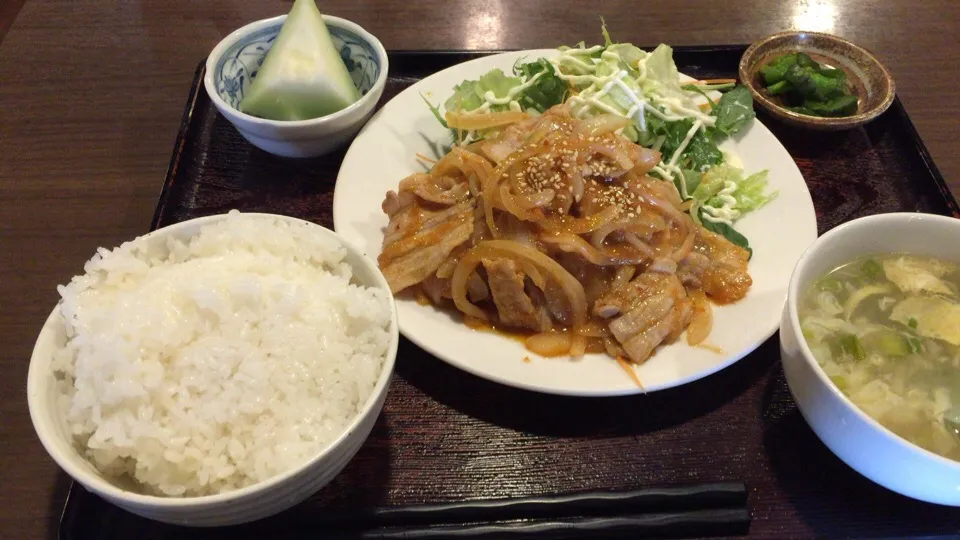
pixel 384 153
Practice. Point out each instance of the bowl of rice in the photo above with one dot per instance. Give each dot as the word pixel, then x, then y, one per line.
pixel 216 371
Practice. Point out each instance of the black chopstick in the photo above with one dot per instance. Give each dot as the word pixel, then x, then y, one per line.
pixel 587 504
pixel 700 523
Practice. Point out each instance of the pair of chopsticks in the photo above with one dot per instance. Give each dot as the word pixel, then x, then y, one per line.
pixel 697 510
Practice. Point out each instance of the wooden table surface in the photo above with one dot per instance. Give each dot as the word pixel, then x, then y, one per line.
pixel 92 91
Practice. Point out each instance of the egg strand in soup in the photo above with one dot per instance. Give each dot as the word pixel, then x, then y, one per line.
pixel 886 330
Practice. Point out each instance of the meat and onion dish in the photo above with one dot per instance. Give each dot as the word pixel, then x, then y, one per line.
pixel 553 227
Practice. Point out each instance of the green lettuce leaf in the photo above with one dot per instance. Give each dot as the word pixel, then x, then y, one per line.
pixel 734 111
pixel 749 193
pixel 468 95
pixel 630 56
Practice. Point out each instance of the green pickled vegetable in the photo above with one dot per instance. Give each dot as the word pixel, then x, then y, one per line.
pixel 776 71
pixel 841 106
pixel 802 110
pixel 814 86
pixel 778 88
pixel 807 87
pixel 302 75
pixel 804 61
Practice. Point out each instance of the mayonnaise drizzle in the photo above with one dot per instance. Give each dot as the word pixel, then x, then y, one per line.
pixel 726 213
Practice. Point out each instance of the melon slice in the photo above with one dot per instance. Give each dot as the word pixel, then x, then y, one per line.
pixel 302 76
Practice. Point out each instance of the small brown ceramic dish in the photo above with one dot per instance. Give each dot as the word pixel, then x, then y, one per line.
pixel 866 77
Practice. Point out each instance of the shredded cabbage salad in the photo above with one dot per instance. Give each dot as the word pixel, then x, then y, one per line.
pixel 623 80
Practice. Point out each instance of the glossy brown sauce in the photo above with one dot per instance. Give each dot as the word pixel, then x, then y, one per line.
pixel 594 345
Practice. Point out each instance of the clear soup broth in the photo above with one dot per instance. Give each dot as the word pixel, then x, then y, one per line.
pixel 886 330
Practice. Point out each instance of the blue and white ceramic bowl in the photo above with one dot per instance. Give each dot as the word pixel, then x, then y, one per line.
pixel 235 61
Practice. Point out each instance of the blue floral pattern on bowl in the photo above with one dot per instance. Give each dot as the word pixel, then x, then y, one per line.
pixel 241 61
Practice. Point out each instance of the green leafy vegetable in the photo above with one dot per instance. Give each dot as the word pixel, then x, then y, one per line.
pixel 691 178
pixel 734 111
pixel 662 76
pixel 466 96
pixel 749 193
pixel 702 90
pixel 606 35
pixel 469 95
pixel 674 133
pixel 701 153
pixel 698 155
pixel 435 110
pixel 655 128
pixel 712 195
pixel 727 232
pixel 548 90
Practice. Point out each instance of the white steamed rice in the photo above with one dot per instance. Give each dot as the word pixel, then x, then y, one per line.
pixel 220 362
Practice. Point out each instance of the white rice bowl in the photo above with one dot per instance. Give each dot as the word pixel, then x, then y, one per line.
pixel 218 362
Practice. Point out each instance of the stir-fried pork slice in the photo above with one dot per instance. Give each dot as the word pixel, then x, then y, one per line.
pixel 652 308
pixel 446 191
pixel 692 268
pixel 514 307
pixel 418 264
pixel 636 292
pixel 718 267
pixel 415 250
pixel 641 315
pixel 641 346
